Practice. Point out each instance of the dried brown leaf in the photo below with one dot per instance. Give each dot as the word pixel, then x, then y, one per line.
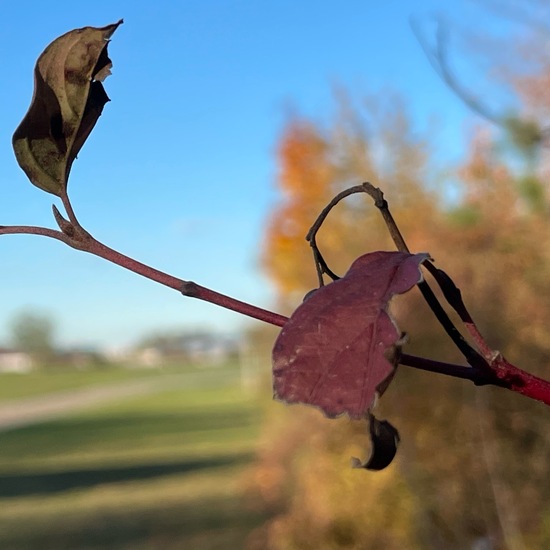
pixel 67 102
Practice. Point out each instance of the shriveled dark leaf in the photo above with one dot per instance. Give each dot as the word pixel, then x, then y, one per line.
pixel 67 101
pixel 385 440
pixel 338 347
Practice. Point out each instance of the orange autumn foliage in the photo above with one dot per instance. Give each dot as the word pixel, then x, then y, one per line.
pixel 314 165
pixel 305 179
pixel 467 454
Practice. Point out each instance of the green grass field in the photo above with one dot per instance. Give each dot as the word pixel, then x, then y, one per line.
pixel 163 471
pixel 16 386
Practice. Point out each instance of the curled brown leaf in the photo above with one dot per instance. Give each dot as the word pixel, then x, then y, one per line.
pixel 67 102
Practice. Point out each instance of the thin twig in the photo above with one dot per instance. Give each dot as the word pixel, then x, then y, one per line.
pixel 470 354
pixel 450 369
pixel 320 263
pixel 453 295
pixel 382 204
pixel 34 230
pixel 83 241
pixel 437 58
pixel 489 368
pixel 501 372
pixel 69 210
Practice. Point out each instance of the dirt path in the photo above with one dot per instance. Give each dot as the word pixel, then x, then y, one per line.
pixel 23 412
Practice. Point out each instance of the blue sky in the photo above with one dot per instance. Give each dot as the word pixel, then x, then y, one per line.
pixel 180 169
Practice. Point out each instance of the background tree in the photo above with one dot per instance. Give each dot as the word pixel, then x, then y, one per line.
pixel 472 464
pixel 33 332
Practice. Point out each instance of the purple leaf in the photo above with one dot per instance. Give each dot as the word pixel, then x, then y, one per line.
pixel 338 347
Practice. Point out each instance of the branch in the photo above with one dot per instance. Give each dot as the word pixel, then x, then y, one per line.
pixel 479 378
pixel 494 368
pixel 311 237
pixel 470 354
pixel 517 128
pixel 486 368
pixel 73 235
pixel 34 230
pixel 453 295
pixel 502 374
pixel 437 57
pixel 489 367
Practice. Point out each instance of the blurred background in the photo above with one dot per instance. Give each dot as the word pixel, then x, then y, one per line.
pixel 132 418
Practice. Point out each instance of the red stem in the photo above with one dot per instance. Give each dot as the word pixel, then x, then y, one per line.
pixel 193 290
pixel 85 242
pixel 33 230
pixel 500 372
pixel 520 381
pixel 187 288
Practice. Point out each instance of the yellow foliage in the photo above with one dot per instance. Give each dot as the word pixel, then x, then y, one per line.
pixel 314 166
pixel 328 504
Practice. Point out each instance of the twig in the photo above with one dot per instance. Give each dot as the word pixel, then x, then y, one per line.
pixel 320 264
pixel 34 230
pixel 489 367
pixel 437 58
pixel 479 378
pixel 73 235
pixel 498 371
pixel 470 354
pixel 453 295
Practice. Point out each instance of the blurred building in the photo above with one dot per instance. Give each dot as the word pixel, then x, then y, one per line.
pixel 12 360
pixel 197 348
